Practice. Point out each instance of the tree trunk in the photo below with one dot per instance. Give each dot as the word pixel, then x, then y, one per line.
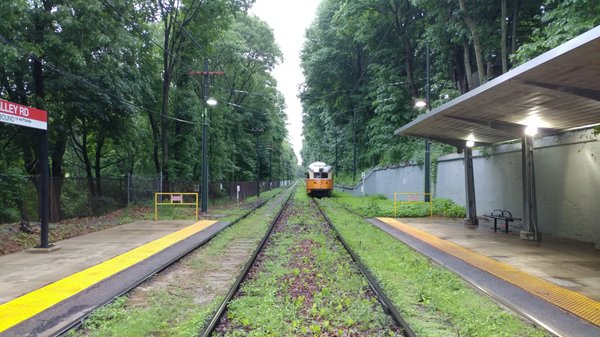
pixel 515 24
pixel 58 152
pixel 458 74
pixel 86 161
pixel 164 119
pixel 503 31
pixel 476 43
pixel 409 64
pixel 97 166
pixel 468 71
pixel 155 143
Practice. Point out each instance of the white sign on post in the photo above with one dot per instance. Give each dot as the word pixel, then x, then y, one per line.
pixel 362 187
pixel 13 113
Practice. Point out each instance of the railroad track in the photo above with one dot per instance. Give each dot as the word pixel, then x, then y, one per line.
pixel 385 301
pixel 220 318
pixel 77 321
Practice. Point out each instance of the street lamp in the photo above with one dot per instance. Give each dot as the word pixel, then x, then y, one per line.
pixel 422 104
pixel 211 101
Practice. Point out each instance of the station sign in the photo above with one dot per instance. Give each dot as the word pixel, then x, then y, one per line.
pixel 13 113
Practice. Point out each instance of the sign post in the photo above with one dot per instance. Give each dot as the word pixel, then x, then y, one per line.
pixel 17 114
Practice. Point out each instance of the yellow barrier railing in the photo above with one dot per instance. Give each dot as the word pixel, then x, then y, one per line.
pixel 413 198
pixel 175 199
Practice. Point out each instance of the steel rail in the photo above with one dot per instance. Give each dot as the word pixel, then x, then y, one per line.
pixel 209 329
pixel 79 321
pixel 386 302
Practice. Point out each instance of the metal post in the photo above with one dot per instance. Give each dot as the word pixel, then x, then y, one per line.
pixel 427 170
pixel 204 149
pixel 257 165
pixel 354 126
pixel 128 189
pixel 270 165
pixel 44 175
pixel 471 206
pixel 427 143
pixel 530 228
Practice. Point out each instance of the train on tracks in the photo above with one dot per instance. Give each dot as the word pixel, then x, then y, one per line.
pixel 319 179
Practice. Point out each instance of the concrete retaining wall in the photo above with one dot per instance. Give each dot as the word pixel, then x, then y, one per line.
pixel 567 171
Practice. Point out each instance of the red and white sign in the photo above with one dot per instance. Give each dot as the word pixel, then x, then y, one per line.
pixel 23 115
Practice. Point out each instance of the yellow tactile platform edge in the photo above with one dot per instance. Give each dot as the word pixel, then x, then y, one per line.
pixel 31 304
pixel 574 302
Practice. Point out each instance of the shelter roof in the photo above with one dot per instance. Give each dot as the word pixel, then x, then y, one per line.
pixel 556 91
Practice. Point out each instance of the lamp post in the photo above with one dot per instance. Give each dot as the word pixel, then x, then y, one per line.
pixel 211 102
pixel 427 104
pixel 256 131
pixel 427 143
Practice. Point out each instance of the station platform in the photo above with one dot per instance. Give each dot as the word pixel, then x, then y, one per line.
pixel 42 293
pixel 554 283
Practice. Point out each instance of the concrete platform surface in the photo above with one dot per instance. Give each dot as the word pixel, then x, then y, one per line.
pixel 516 273
pixel 570 264
pixel 23 272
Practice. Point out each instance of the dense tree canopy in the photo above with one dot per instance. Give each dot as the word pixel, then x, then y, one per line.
pixel 364 64
pixel 114 76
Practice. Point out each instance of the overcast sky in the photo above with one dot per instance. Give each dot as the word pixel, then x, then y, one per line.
pixel 289 19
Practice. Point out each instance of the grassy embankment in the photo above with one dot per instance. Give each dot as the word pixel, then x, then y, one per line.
pixel 379 205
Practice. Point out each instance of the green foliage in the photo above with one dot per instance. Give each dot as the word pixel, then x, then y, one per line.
pixel 115 310
pixel 99 69
pixel 560 21
pixel 380 206
pixel 12 185
pixel 433 300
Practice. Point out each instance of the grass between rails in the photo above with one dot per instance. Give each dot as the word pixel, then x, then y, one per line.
pixel 434 301
pixel 179 302
pixel 379 205
pixel 305 284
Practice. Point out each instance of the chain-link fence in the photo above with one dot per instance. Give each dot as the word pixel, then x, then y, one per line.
pixel 81 197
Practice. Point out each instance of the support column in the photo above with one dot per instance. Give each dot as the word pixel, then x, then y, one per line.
pixel 427 170
pixel 530 222
pixel 471 207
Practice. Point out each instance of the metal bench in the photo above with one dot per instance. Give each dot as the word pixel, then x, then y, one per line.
pixel 501 214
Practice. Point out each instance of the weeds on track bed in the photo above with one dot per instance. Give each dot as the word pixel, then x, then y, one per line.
pixel 305 284
pixel 178 301
pixel 434 301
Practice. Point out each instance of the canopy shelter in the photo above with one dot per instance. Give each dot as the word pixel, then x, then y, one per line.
pixel 556 91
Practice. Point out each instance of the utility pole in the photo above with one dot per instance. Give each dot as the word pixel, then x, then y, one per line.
pixel 270 148
pixel 256 132
pixel 205 74
pixel 336 152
